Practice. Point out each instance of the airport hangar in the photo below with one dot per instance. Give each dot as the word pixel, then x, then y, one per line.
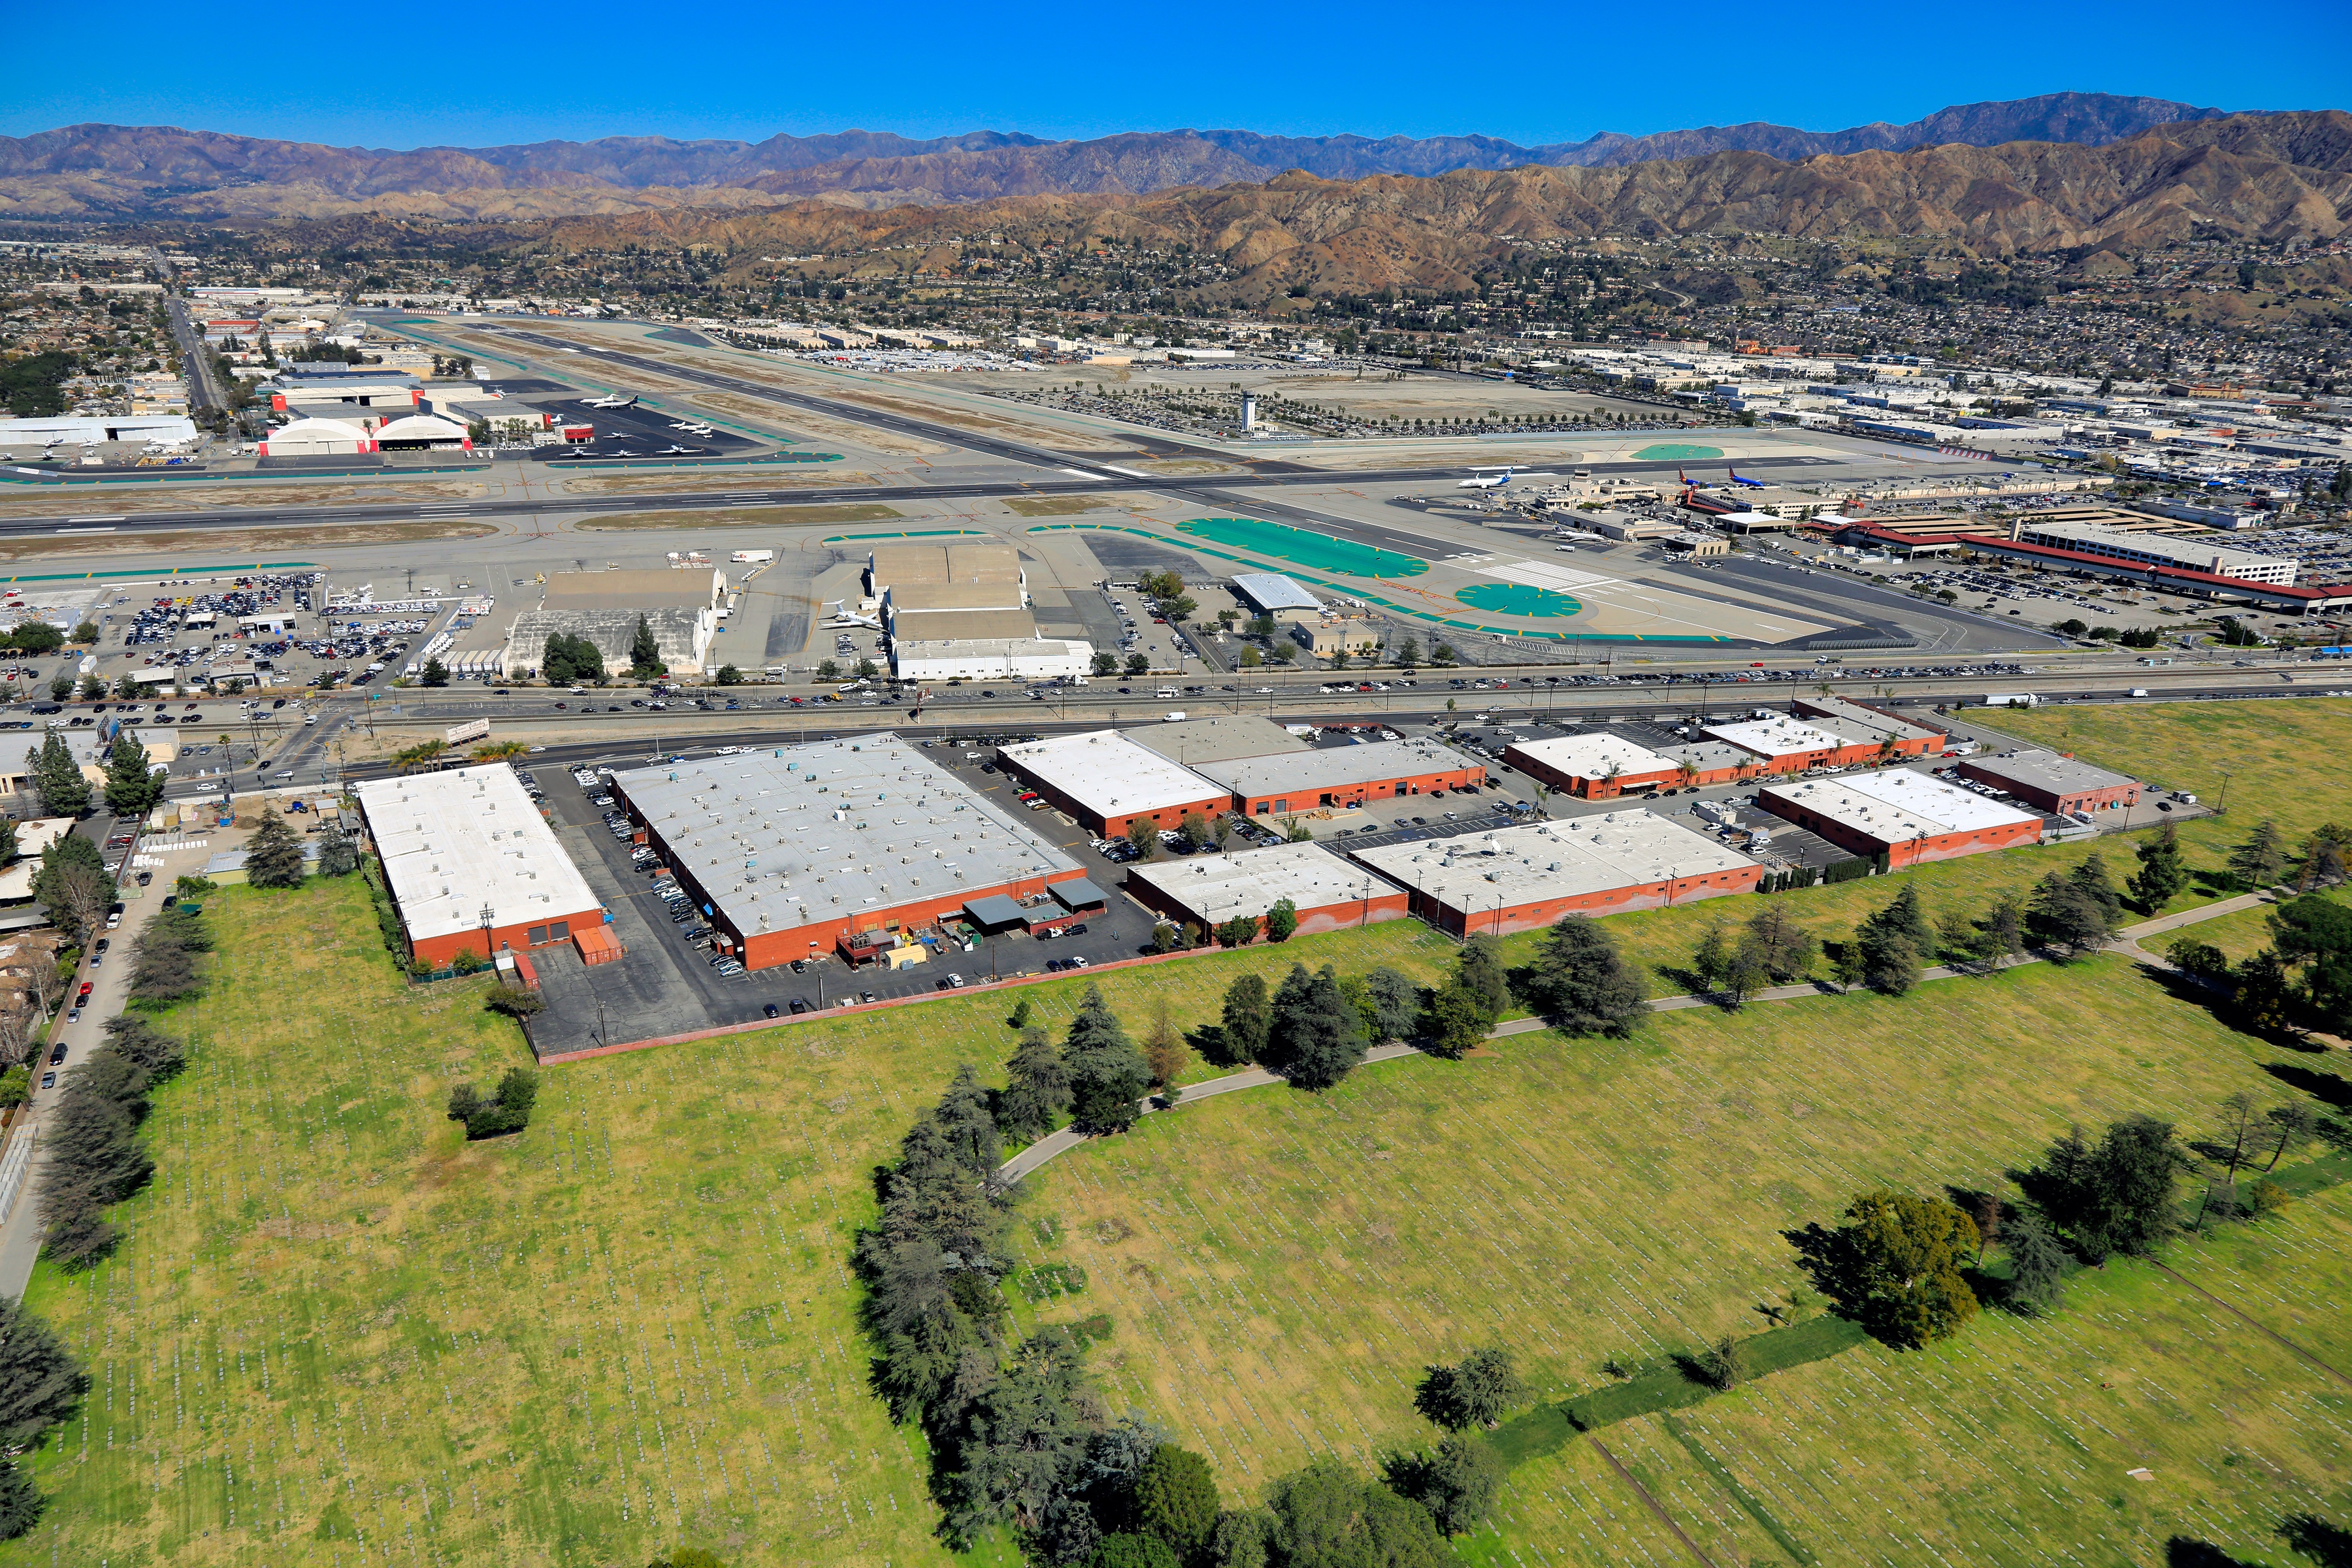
pixel 963 612
pixel 1906 817
pixel 803 849
pixel 1520 879
pixel 472 866
pixel 1207 890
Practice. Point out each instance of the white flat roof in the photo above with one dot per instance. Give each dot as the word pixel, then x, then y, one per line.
pixel 1250 881
pixel 1338 767
pixel 1111 775
pixel 834 831
pixel 1272 591
pixel 1588 757
pixel 1898 803
pixel 455 842
pixel 1777 737
pixel 1550 860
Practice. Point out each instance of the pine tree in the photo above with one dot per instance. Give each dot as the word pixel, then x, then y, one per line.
pixel 1107 1074
pixel 1176 1501
pixel 2259 862
pixel 20 1501
pixel 1317 1036
pixel 1579 982
pixel 338 853
pixel 1480 968
pixel 963 1115
pixel 131 786
pixel 1038 1093
pixel 645 653
pixel 2037 1265
pixel 1248 1018
pixel 56 778
pixel 273 855
pixel 40 1381
pixel 2162 873
pixel 435 673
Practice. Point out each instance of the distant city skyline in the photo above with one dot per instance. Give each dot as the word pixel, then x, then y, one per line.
pixel 1526 74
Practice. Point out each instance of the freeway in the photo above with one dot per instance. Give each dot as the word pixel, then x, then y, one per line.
pixel 604 736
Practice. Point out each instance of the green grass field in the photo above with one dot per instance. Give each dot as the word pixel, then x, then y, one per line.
pixel 1282 1267
pixel 335 1323
pixel 336 1332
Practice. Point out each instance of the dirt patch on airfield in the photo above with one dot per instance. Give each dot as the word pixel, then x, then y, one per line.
pixel 704 480
pixel 242 541
pixel 719 517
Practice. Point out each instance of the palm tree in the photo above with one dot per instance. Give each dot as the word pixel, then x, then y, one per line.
pixel 497 750
pixel 424 755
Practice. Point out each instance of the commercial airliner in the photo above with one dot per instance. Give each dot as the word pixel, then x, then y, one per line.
pixel 1745 484
pixel 1486 480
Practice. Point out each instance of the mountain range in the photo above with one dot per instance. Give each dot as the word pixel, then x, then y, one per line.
pixel 2270 177
pixel 113 173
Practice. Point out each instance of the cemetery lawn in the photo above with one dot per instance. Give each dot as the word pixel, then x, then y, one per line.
pixel 334 1327
pixel 1279 1267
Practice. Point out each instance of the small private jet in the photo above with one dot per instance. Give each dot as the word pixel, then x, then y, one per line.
pixel 615 401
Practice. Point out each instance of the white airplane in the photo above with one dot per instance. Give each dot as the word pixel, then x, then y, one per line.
pixel 615 401
pixel 842 616
pixel 675 451
pixel 1486 480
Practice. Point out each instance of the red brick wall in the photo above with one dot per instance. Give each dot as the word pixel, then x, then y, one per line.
pixel 439 950
pixel 1908 851
pixel 1310 799
pixel 2127 794
pixel 1113 826
pixel 1610 789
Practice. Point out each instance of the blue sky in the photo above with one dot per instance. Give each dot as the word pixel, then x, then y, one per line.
pixel 404 76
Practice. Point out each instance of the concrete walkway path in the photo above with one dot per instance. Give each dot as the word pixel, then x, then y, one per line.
pixel 1055 1144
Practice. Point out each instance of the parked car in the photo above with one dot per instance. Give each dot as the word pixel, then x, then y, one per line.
pixel 58 1052
pixel 767 1009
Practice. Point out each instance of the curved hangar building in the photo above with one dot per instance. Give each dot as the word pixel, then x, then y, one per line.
pixel 805 849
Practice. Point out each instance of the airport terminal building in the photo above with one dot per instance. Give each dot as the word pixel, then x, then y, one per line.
pixel 829 847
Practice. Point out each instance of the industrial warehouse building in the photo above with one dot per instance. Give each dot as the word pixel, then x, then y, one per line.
pixel 1876 726
pixel 1291 781
pixel 1207 890
pixel 1223 737
pixel 961 612
pixel 1518 878
pixel 472 866
pixel 1786 745
pixel 1906 817
pixel 1603 765
pixel 1109 783
pixel 2051 781
pixel 839 846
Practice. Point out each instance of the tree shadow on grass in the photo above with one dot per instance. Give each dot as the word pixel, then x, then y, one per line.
pixel 1208 1042
pixel 2188 1552
pixel 2329 1089
pixel 2328 1545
